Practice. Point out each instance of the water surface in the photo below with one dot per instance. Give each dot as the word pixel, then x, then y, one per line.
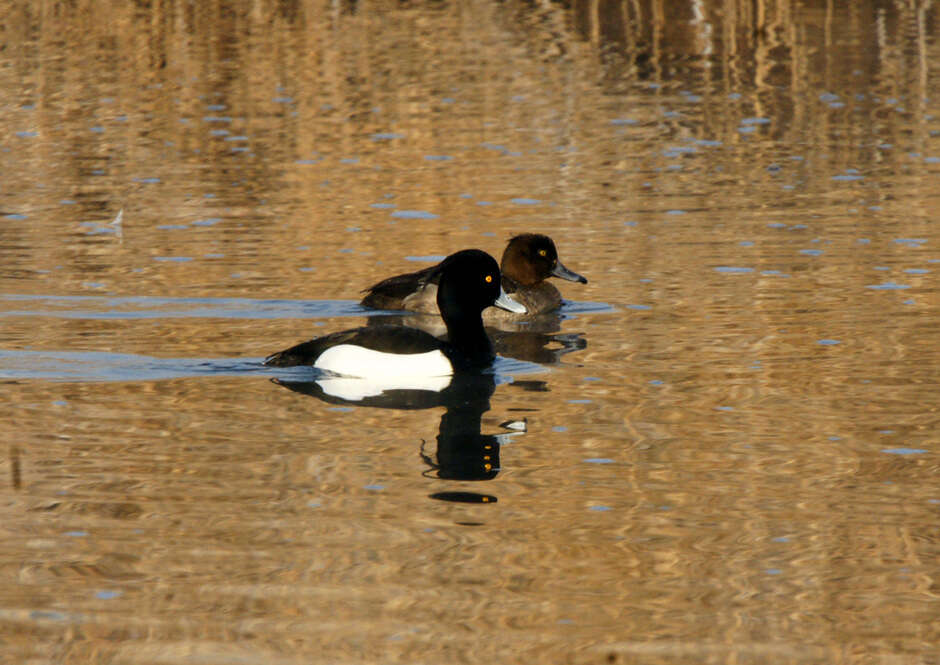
pixel 724 449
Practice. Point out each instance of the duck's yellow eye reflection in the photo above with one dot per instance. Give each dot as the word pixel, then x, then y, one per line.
pixel 542 252
pixel 488 278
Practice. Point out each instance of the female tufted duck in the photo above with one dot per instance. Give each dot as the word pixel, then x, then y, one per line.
pixel 529 259
pixel 468 282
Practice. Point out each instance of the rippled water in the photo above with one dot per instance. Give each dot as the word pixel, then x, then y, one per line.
pixel 724 449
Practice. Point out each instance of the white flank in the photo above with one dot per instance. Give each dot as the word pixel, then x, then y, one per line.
pixel 351 360
pixel 354 389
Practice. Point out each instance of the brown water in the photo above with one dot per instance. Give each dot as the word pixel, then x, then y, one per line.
pixel 732 436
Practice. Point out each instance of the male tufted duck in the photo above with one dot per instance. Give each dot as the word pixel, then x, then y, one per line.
pixel 469 281
pixel 529 259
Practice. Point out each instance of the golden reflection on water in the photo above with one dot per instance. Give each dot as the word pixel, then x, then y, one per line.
pixel 737 463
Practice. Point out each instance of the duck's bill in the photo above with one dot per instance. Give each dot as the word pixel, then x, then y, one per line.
pixel 562 272
pixel 508 303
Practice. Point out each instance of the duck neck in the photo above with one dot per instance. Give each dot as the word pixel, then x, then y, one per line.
pixel 468 339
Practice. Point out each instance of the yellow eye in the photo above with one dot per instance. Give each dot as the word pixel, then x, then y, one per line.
pixel 488 278
pixel 542 252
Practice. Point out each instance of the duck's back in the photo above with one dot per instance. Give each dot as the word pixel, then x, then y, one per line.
pixel 384 339
pixel 413 291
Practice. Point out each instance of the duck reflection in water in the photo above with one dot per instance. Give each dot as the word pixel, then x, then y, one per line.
pixel 463 452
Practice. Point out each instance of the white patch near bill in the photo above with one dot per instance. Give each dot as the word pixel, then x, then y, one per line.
pixel 351 360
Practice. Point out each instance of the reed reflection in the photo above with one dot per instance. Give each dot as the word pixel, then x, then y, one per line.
pixel 463 452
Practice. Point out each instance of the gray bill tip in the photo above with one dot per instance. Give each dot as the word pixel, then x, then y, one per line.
pixel 562 272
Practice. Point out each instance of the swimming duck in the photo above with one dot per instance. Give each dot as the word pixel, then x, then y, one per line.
pixel 467 282
pixel 529 259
